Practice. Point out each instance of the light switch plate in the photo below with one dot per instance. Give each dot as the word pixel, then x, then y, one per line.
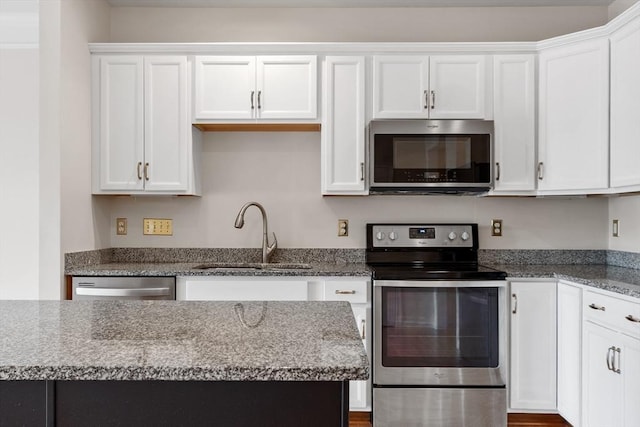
pixel 157 226
pixel 615 228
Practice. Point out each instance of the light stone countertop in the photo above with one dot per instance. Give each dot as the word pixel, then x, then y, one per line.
pixel 621 280
pixel 180 340
pixel 189 269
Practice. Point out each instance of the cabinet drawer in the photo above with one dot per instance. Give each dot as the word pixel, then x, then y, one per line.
pixel 346 290
pixel 616 313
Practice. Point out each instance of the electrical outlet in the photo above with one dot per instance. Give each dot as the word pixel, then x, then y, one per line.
pixel 157 226
pixel 343 227
pixel 615 228
pixel 121 226
pixel 496 227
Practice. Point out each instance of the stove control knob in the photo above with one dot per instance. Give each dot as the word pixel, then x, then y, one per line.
pixel 464 236
pixel 452 235
pixel 393 235
pixel 380 235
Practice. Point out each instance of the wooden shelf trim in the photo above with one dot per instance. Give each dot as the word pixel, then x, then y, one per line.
pixel 258 127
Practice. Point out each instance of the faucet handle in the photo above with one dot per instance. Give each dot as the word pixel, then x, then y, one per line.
pixel 271 247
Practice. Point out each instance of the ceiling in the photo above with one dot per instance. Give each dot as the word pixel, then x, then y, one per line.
pixel 354 3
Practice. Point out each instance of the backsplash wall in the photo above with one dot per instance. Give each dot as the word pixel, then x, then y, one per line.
pixel 282 172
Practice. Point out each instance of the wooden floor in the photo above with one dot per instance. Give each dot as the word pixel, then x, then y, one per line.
pixel 363 419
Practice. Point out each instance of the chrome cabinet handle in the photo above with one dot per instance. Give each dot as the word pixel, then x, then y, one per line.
pixel 146 171
pixel 363 323
pixel 252 94
pixel 540 166
pixel 497 171
pixel 340 292
pixel 259 95
pixel 139 176
pixel 630 318
pixel 515 303
pixel 597 307
pixel 426 99
pixel 433 99
pixel 361 171
pixel 610 358
pixel 616 369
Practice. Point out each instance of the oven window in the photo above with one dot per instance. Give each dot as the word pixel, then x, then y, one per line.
pixel 440 327
pixel 436 152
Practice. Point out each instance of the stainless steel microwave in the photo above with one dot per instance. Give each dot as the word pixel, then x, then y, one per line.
pixel 430 156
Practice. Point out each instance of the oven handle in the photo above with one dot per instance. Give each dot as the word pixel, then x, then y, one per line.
pixel 440 283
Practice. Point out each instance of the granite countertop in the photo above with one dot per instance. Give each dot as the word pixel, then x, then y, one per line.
pixel 620 280
pixel 189 269
pixel 180 340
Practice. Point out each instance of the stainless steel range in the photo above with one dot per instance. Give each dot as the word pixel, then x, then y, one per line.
pixel 439 331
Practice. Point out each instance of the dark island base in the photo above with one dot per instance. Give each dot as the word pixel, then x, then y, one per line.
pixel 174 403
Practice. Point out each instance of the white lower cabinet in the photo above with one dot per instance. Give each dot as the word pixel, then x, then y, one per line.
pixel 290 288
pixel 357 292
pixel 611 362
pixel 533 346
pixel 569 351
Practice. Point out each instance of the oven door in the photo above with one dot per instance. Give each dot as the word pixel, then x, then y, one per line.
pixel 439 333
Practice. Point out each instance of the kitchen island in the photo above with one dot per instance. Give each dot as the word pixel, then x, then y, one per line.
pixel 177 363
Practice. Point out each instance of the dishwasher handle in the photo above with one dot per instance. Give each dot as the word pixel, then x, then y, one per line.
pixel 123 292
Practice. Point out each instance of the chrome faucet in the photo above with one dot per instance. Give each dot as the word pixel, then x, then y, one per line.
pixel 267 248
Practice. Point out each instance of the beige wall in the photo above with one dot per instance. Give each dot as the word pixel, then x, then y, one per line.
pixel 619 6
pixel 351 24
pixel 282 171
pixel 84 220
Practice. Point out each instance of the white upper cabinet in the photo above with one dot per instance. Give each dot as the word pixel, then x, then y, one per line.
pixel 625 107
pixel 142 135
pixel 514 103
pixel 250 87
pixel 573 140
pixel 343 126
pixel 436 87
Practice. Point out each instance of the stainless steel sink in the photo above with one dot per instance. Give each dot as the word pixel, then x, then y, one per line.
pixel 253 266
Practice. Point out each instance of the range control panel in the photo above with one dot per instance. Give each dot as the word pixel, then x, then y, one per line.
pixel 423 235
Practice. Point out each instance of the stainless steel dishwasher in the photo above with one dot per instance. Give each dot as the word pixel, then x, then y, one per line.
pixel 123 288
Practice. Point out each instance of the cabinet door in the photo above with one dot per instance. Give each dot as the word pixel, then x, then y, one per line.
pixel 343 126
pixel 514 122
pixel 120 122
pixel 625 104
pixel 601 391
pixel 225 87
pixel 287 87
pixel 457 87
pixel 630 371
pixel 574 117
pixel 359 391
pixel 240 289
pixel 569 351
pixel 533 346
pixel 167 124
pixel 400 87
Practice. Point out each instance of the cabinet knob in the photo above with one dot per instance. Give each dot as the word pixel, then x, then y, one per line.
pixel 433 99
pixel 146 171
pixel 426 99
pixel 515 303
pixel 497 171
pixel 252 94
pixel 339 292
pixel 139 175
pixel 597 307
